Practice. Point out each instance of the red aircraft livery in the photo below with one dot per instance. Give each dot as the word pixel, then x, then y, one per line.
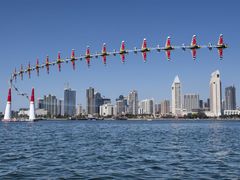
pixel 73 59
pixel 88 56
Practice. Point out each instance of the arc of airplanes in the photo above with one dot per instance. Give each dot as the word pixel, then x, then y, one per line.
pixel 122 52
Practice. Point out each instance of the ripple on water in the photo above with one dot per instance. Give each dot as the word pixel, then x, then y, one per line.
pixel 120 150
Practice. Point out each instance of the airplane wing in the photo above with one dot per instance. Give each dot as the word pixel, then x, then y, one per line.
pixel 220 53
pixel 194 53
pixel 144 55
pixel 168 54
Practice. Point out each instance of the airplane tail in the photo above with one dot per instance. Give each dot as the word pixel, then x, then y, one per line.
pixel 168 42
pixel 220 40
pixel 144 43
pixel 194 41
pixel 122 48
pixel 73 54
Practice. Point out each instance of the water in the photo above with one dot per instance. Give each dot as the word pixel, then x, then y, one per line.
pixel 120 150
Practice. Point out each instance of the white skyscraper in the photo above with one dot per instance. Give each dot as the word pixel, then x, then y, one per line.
pixel 176 97
pixel 215 94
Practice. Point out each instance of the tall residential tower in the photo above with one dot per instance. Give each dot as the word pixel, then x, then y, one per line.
pixel 176 97
pixel 215 94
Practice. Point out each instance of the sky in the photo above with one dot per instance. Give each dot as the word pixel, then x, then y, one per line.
pixel 36 28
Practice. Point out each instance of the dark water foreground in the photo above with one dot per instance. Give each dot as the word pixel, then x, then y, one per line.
pixel 120 150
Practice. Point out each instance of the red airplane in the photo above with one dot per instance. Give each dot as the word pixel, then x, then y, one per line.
pixel 122 51
pixel 29 70
pixel 88 56
pixel 73 59
pixel 168 48
pixel 144 49
pixel 37 67
pixel 47 64
pixel 193 47
pixel 59 61
pixel 104 53
pixel 220 46
pixel 21 72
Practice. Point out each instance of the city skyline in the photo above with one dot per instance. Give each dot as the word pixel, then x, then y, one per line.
pixel 26 41
pixel 180 105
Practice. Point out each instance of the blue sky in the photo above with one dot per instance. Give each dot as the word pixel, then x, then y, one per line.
pixel 31 29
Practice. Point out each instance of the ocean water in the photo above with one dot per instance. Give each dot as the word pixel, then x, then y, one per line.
pixel 120 150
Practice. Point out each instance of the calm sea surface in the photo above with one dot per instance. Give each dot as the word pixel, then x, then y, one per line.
pixel 120 150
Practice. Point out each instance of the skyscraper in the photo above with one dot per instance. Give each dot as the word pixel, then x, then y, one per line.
pixel 146 106
pixel 98 102
pixel 133 102
pixel 176 97
pixel 215 94
pixel 191 102
pixel 230 98
pixel 165 107
pixel 90 101
pixel 69 102
pixel 50 104
pixel 59 107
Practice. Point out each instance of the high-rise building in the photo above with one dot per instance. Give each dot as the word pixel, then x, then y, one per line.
pixel 176 97
pixel 157 108
pixel 191 102
pixel 50 104
pixel 133 102
pixel 215 94
pixel 90 101
pixel 98 102
pixel 146 107
pixel 69 102
pixel 230 98
pixel 165 107
pixel 120 107
pixel 59 107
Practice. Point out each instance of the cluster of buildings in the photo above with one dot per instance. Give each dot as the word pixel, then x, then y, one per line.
pixel 215 106
pixel 129 105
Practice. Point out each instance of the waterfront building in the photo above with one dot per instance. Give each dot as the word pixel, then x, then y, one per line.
pixel 133 102
pixel 69 102
pixel 90 101
pixel 176 97
pixel 190 102
pixel 230 98
pixel 165 107
pixel 106 110
pixel 215 94
pixel 146 107
pixel 59 107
